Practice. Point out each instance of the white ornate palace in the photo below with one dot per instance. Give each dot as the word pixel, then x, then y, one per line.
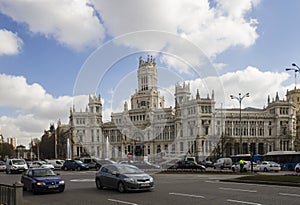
pixel 193 126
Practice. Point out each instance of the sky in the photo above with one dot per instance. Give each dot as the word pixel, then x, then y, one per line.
pixel 55 53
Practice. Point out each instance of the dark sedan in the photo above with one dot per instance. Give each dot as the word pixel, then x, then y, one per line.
pixel 188 165
pixel 71 164
pixel 42 180
pixel 123 177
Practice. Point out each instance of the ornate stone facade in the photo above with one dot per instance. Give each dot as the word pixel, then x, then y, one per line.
pixel 194 126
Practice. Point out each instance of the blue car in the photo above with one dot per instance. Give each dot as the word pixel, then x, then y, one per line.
pixel 71 164
pixel 42 180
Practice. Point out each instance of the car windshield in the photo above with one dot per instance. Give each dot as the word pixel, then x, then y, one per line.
pixel 129 170
pixel 78 161
pixel 18 162
pixel 43 173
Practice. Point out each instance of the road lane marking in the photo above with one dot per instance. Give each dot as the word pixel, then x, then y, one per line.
pixel 121 202
pixel 216 182
pixel 82 180
pixel 188 195
pixel 288 194
pixel 242 202
pixel 244 190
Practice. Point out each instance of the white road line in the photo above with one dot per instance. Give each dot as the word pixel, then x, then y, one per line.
pixel 82 180
pixel 188 195
pixel 288 194
pixel 244 190
pixel 121 202
pixel 242 202
pixel 215 182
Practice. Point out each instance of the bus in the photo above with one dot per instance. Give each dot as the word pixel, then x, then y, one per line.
pixel 287 159
pixel 246 157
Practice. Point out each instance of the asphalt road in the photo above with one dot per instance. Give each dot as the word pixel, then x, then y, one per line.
pixel 174 189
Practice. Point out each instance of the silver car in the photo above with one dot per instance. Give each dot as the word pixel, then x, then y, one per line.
pixel 267 166
pixel 123 177
pixel 2 166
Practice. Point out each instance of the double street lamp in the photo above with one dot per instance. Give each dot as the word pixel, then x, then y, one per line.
pixel 240 99
pixel 296 69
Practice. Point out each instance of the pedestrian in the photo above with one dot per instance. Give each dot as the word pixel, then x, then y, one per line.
pixel 241 165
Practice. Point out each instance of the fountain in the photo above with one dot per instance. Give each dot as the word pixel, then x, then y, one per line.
pixel 107 148
pixel 68 149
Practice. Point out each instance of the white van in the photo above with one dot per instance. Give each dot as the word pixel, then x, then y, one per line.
pixel 223 163
pixel 15 166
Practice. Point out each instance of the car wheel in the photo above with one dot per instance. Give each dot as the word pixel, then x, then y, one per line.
pixel 61 189
pixel 297 170
pixel 99 184
pixel 34 191
pixel 78 168
pixel 24 188
pixel 65 168
pixel 233 169
pixel 121 187
pixel 265 169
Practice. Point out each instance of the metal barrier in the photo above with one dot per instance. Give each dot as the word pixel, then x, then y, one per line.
pixel 11 194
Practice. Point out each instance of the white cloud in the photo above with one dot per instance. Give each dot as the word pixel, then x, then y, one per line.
pixel 11 44
pixel 244 81
pixel 241 81
pixel 212 29
pixel 35 109
pixel 71 22
pixel 81 23
pixel 235 8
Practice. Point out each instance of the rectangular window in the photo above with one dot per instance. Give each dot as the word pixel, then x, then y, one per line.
pixel 181 146
pixel 98 151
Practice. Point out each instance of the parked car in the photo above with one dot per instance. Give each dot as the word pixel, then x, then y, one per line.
pixel 247 167
pixel 95 163
pixel 90 161
pixel 169 163
pixel 57 163
pixel 71 164
pixel 15 166
pixel 223 163
pixel 297 167
pixel 141 164
pixel 207 163
pixel 188 165
pixel 123 177
pixel 2 166
pixel 267 166
pixel 42 180
pixel 41 164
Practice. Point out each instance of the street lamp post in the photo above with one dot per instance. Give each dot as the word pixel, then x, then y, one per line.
pixel 296 69
pixel 240 99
